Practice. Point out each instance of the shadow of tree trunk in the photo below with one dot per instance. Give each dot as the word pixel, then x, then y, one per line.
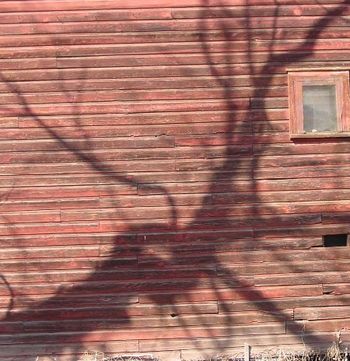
pixel 111 281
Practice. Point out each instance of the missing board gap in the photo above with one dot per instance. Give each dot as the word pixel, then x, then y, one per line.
pixel 335 240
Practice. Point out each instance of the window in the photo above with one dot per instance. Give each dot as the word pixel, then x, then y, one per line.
pixel 319 104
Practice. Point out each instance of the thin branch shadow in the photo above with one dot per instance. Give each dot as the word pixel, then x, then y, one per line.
pixel 99 285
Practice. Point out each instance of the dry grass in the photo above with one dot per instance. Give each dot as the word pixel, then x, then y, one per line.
pixel 100 356
pixel 336 352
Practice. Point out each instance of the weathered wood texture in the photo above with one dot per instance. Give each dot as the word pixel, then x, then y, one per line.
pixel 151 199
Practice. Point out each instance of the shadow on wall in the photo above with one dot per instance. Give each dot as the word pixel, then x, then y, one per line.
pixel 134 264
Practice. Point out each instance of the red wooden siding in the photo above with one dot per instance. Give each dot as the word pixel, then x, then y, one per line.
pixel 151 199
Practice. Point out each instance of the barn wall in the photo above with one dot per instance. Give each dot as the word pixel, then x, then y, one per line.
pixel 151 199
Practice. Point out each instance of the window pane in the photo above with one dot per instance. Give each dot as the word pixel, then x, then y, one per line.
pixel 320 112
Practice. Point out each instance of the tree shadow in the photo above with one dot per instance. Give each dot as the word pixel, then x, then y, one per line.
pixel 153 261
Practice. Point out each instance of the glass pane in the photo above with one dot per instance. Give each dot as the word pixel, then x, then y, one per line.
pixel 319 106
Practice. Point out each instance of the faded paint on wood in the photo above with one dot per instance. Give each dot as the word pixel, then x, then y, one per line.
pixel 151 199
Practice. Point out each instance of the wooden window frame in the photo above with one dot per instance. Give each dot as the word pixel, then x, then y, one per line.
pixel 296 80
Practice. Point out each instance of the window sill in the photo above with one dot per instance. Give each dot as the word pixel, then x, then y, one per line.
pixel 321 135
